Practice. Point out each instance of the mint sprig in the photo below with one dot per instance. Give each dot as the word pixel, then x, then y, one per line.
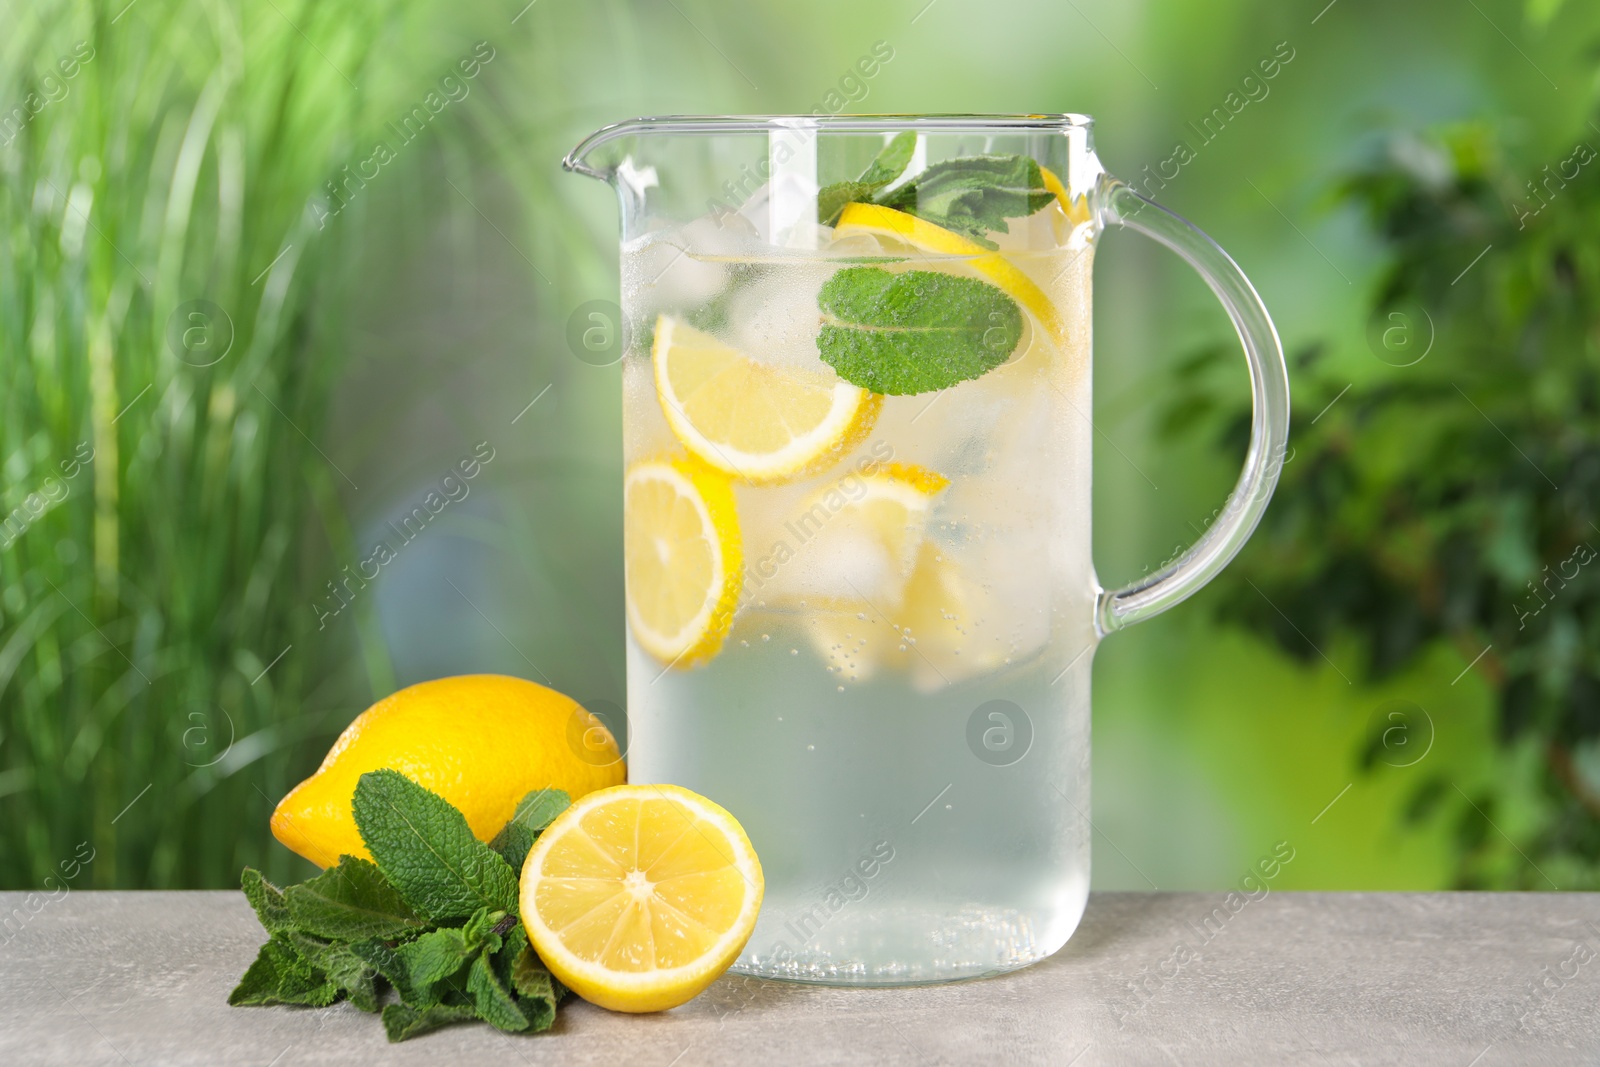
pixel 424 846
pixel 428 935
pixel 973 195
pixel 969 195
pixel 913 332
pixel 889 165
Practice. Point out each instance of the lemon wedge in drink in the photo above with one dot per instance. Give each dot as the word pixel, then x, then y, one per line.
pixel 637 897
pixel 681 558
pixel 755 421
pixel 924 236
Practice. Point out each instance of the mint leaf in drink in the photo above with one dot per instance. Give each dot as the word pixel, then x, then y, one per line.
pixel 888 166
pixel 973 195
pixel 915 331
pixel 350 902
pixel 267 900
pixel 401 1021
pixel 425 848
pixel 535 811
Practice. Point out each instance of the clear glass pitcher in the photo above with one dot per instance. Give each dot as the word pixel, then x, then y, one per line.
pixel 861 601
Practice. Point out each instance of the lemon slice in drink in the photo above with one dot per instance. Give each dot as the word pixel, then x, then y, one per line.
pixel 924 236
pixel 681 552
pixel 639 896
pixel 749 419
pixel 1066 214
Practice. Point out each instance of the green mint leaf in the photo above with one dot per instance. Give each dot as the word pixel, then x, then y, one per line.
pixel 387 962
pixel 973 195
pixel 914 332
pixel 484 928
pixel 281 975
pixel 267 900
pixel 260 982
pixel 831 199
pixel 537 989
pixel 427 851
pixel 888 166
pixel 349 973
pixel 401 1021
pixel 351 902
pixel 495 1004
pixel 891 162
pixel 430 961
pixel 535 811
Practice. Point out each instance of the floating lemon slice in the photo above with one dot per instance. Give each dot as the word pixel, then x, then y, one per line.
pixel 927 237
pixel 752 420
pixel 681 557
pixel 1066 214
pixel 639 896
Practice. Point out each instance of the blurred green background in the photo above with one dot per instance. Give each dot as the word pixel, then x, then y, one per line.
pixel 165 674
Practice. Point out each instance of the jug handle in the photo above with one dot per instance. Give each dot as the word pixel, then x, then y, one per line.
pixel 1118 205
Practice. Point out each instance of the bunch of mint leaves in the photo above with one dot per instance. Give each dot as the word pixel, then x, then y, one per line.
pixel 428 934
pixel 918 331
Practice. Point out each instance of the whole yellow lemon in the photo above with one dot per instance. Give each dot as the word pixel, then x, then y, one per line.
pixel 481 741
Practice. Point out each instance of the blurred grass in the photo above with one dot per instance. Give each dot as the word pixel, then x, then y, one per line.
pixel 141 614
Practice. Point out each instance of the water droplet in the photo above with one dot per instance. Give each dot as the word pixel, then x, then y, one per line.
pixel 766 637
pixel 811 748
pixel 841 689
pixel 794 652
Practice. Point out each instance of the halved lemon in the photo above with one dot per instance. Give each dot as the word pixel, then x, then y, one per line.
pixel 682 563
pixel 639 896
pixel 928 237
pixel 750 419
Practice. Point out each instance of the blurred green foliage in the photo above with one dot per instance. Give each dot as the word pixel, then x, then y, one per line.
pixel 1457 499
pixel 138 612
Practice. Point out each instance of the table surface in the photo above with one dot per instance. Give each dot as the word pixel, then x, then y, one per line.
pixel 1464 979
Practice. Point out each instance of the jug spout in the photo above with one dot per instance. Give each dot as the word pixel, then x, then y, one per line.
pixel 579 161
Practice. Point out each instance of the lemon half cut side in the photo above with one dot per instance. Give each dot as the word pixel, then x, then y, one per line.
pixel 638 897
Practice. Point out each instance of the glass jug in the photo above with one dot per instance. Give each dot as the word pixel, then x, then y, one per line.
pixel 860 597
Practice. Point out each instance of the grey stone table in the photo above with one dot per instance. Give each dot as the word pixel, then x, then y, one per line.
pixel 1467 980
